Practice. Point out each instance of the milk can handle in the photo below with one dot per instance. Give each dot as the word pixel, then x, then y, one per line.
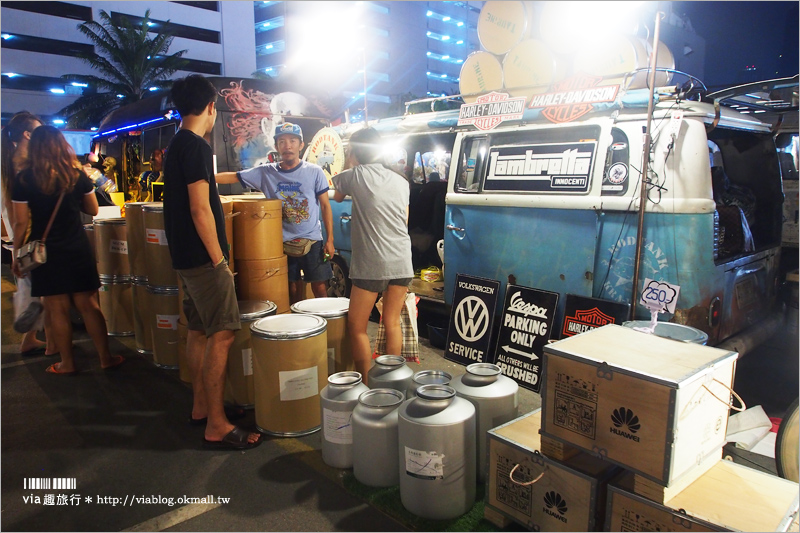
pixel 525 483
pixel 728 402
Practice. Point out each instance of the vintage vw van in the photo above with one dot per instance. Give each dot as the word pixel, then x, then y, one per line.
pixel 553 205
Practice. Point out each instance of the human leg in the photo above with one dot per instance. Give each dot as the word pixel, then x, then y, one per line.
pixel 316 270
pixel 361 304
pixel 394 297
pixel 57 308
pixel 195 354
pixel 88 305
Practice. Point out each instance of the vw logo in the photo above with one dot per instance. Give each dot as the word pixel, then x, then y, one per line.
pixel 471 318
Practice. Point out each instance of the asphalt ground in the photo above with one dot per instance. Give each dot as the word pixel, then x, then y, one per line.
pixel 123 435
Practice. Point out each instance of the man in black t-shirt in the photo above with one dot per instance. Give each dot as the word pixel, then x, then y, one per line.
pixel 195 228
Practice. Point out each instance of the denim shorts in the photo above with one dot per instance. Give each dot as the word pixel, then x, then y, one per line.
pixel 209 300
pixel 313 264
pixel 380 285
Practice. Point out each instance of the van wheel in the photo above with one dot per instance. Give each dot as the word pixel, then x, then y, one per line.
pixel 339 286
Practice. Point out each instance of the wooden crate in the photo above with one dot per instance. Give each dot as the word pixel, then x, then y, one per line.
pixel 652 405
pixel 729 497
pixel 570 495
pixel 661 493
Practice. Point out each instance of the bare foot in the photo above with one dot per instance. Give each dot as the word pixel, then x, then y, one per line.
pixel 32 343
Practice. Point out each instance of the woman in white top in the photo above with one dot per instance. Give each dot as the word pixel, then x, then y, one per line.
pixel 381 259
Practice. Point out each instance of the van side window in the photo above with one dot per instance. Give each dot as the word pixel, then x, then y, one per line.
pixel 617 168
pixel 470 164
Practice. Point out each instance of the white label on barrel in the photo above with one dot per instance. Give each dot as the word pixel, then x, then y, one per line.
pixel 118 247
pixel 167 321
pixel 247 361
pixel 298 384
pixel 156 236
pixel 424 465
pixel 336 426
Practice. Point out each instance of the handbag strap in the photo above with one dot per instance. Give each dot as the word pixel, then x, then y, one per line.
pixel 53 216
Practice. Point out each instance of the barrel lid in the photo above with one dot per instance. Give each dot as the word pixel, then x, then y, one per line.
pixel 109 221
pixel 136 204
pixel 153 207
pixel 288 326
pixel 381 398
pixel 670 330
pixel 483 369
pixel 481 73
pixel 162 289
pixel 324 307
pixel 436 392
pixel 345 379
pixel 432 377
pixel 108 279
pixel 252 309
pixel 390 360
pixel 501 25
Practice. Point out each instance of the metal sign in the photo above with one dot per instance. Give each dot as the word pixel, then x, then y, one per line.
pixel 582 314
pixel 490 110
pixel 574 97
pixel 552 167
pixel 526 326
pixel 470 331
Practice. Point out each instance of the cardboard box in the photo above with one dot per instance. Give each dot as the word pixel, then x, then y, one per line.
pixel 569 495
pixel 729 497
pixel 653 405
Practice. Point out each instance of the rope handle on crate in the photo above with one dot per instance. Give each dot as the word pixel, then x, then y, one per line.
pixel 728 402
pixel 524 483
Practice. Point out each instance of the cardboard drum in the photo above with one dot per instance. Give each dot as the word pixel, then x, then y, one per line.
pixel 157 259
pixel 116 302
pixel 239 386
pixel 334 310
pixel 112 247
pixel 501 25
pixel 257 228
pixel 481 73
pixel 164 304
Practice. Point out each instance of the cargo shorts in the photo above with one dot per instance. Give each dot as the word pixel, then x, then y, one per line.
pixel 209 300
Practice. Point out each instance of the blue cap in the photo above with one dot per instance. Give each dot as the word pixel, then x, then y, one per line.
pixel 287 128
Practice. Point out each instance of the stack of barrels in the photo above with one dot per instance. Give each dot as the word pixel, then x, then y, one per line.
pixel 134 216
pixel 115 294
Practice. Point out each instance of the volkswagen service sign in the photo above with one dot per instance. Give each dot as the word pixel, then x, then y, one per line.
pixel 528 316
pixel 470 331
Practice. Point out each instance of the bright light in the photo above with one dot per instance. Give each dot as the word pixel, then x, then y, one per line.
pixel 6 36
pixel 148 57
pixel 571 26
pixel 152 88
pixel 445 19
pixel 429 13
pixel 268 69
pixel 428 73
pixel 459 24
pixel 266 24
pixel 360 94
pixel 11 74
pixel 459 42
pixel 268 47
pixel 444 75
pixel 151 23
pixel 428 53
pixel 57 91
pixel 428 34
pixel 58 121
pixel 445 57
pixel 445 37
pixel 93 128
pixel 120 96
pixel 459 60
pixel 76 84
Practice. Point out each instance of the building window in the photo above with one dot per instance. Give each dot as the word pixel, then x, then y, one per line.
pixel 270 48
pixel 57 9
pixel 15 41
pixel 24 82
pixel 210 6
pixel 202 67
pixel 269 25
pixel 177 30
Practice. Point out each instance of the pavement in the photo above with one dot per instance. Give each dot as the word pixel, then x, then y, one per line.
pixel 123 437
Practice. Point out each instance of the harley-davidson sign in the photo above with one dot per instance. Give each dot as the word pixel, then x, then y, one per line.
pixel 572 98
pixel 490 110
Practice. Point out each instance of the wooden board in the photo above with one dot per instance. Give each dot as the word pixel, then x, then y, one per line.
pixel 661 493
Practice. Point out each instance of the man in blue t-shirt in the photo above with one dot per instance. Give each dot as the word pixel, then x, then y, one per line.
pixel 303 189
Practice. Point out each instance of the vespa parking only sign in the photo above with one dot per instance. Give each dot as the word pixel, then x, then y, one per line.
pixel 470 330
pixel 528 316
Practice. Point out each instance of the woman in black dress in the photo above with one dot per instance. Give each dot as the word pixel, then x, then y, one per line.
pixel 70 274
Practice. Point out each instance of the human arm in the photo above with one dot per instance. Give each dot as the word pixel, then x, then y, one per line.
pixel 89 204
pixel 338 196
pixel 203 219
pixel 226 177
pixel 327 218
pixel 20 217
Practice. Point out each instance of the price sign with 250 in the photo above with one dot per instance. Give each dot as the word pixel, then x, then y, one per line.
pixel 660 296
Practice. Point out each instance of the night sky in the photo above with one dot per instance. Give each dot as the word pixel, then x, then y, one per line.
pixel 738 34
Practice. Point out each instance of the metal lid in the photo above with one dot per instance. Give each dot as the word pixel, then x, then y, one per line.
pixel 288 327
pixel 250 310
pixel 483 369
pixel 108 279
pixel 135 205
pixel 381 398
pixel 432 377
pixel 109 221
pixel 140 280
pixel 163 289
pixel 89 226
pixel 670 330
pixel 154 207
pixel 324 307
pixel 345 379
pixel 436 392
pixel 390 360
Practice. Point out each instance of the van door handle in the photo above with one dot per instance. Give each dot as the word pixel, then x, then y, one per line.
pixel 345 217
pixel 454 228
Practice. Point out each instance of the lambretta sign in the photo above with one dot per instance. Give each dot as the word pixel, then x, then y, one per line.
pixel 551 167
pixel 470 331
pixel 490 110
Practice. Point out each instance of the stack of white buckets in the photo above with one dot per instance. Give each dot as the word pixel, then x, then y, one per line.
pixel 425 432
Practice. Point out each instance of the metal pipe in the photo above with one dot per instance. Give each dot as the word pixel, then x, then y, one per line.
pixel 651 80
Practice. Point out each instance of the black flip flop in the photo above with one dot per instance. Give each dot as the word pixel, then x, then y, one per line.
pixel 232 412
pixel 235 440
pixel 39 350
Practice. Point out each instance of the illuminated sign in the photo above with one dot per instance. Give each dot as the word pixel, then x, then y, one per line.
pixel 572 98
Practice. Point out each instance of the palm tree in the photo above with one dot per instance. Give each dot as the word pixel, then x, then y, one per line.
pixel 130 63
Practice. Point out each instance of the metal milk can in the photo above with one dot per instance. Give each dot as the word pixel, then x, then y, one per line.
pixel 496 401
pixel 427 377
pixel 337 401
pixel 375 437
pixel 390 372
pixel 437 453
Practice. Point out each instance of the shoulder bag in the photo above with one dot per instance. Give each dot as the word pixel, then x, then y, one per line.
pixel 34 253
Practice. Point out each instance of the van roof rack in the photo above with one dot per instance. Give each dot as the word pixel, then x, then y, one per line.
pixel 777 96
